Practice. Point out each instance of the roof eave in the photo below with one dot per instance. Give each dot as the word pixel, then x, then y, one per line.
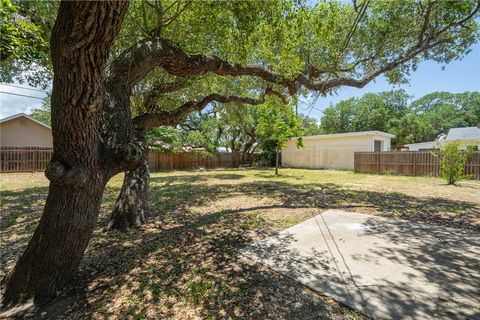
pixel 18 115
pixel 348 134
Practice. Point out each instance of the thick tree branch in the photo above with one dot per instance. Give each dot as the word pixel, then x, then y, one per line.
pixel 326 86
pixel 152 120
pixel 462 21
pixel 136 62
pixel 424 44
pixel 426 20
pixel 314 72
pixel 161 88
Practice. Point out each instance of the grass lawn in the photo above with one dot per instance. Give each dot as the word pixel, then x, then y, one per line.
pixel 183 264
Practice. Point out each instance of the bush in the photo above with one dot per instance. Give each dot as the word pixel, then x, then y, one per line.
pixel 452 162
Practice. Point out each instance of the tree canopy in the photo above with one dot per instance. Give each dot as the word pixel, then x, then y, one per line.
pixel 295 44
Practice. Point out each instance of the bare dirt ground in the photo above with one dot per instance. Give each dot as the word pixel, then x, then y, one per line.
pixel 184 263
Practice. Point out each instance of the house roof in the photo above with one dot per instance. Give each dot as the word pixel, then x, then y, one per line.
pixel 20 115
pixel 349 134
pixel 468 133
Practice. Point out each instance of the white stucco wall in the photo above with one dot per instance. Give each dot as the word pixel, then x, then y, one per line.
pixel 22 132
pixel 329 152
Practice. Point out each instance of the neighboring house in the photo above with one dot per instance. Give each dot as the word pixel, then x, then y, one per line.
pixel 469 136
pixel 21 130
pixel 333 151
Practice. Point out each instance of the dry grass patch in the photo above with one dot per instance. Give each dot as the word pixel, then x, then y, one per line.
pixel 184 263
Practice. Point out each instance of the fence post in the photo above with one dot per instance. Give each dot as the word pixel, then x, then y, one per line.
pixel 354 162
pixel 414 164
pixel 34 166
pixel 379 160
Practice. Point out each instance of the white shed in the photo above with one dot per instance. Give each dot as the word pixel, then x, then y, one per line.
pixel 333 151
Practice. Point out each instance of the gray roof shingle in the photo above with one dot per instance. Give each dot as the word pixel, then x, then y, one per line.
pixel 468 133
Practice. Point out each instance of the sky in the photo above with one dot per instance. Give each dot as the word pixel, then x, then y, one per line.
pixel 457 76
pixel 12 102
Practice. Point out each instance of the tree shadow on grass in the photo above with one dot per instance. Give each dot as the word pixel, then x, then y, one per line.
pixel 446 259
pixel 186 263
pixel 193 259
pixel 20 213
pixel 228 176
pixel 193 265
pixel 16 204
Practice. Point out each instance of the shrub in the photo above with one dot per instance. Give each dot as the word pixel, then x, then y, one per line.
pixel 472 148
pixel 452 162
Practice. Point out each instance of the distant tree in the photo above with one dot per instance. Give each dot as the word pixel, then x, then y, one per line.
pixel 309 125
pixel 277 125
pixel 203 130
pixel 421 120
pixel 239 132
pixel 164 139
pixel 338 118
pixel 231 126
pixel 42 113
pixel 440 111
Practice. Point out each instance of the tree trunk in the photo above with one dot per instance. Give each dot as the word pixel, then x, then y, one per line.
pixel 129 209
pixel 247 150
pixel 277 156
pixel 81 39
pixel 57 246
pixel 242 158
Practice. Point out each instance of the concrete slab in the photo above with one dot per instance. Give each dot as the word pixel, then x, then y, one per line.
pixel 386 269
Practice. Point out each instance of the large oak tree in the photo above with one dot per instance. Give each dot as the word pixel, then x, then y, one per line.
pixel 281 47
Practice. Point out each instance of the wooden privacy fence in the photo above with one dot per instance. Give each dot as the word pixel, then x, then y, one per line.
pixel 24 159
pixel 192 160
pixel 409 163
pixel 31 159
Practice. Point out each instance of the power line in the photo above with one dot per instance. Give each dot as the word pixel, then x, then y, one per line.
pixel 25 88
pixel 21 95
pixel 312 104
pixel 357 20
